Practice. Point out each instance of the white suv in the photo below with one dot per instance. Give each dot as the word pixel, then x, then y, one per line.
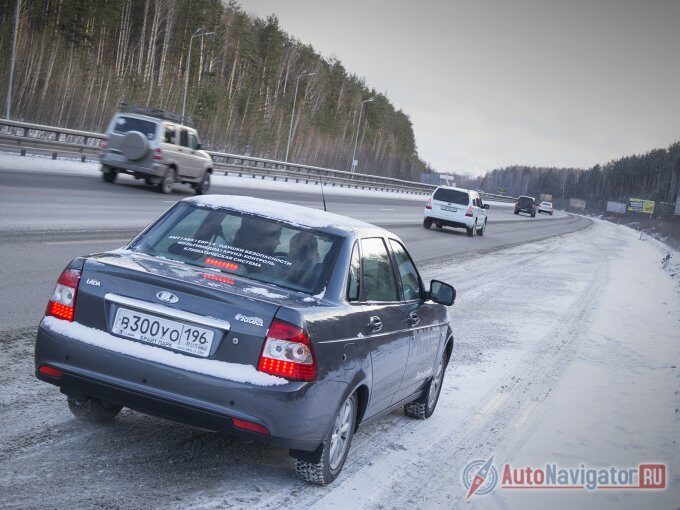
pixel 455 207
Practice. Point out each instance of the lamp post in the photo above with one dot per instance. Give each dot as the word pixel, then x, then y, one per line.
pixel 8 105
pixel 197 33
pixel 356 137
pixel 292 115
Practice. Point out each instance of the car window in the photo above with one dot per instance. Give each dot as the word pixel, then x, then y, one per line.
pixel 353 286
pixel 378 275
pixel 193 141
pixel 170 132
pixel 183 138
pixel 258 248
pixel 124 124
pixel 407 271
pixel 451 195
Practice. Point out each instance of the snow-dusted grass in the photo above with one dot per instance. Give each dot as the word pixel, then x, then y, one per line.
pixel 221 369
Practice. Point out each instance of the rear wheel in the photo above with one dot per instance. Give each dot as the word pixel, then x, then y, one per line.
pixel 424 406
pixel 167 183
pixel 471 231
pixel 335 448
pixel 533 215
pixel 427 223
pixel 109 174
pixel 91 409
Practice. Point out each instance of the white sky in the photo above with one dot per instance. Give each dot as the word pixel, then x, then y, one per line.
pixel 494 83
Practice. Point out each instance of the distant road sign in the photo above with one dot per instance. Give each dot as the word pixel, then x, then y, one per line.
pixel 577 203
pixel 501 189
pixel 616 207
pixel 545 197
pixel 640 205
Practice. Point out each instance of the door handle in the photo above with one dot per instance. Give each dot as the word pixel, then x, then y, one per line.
pixel 413 319
pixel 375 324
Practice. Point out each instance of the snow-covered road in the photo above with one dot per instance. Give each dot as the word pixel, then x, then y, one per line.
pixel 567 350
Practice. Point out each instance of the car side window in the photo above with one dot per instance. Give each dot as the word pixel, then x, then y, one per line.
pixel 183 138
pixel 193 141
pixel 410 281
pixel 378 274
pixel 354 276
pixel 169 136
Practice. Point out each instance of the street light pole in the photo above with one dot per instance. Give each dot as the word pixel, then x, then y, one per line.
pixel 197 33
pixel 8 105
pixel 356 137
pixel 292 115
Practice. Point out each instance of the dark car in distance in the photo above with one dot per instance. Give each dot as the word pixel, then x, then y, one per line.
pixel 525 204
pixel 276 322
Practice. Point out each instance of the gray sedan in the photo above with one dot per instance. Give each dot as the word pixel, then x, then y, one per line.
pixel 280 323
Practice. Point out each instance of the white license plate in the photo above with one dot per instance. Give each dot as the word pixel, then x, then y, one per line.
pixel 447 208
pixel 164 332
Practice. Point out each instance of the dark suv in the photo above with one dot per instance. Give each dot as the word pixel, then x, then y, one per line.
pixel 526 204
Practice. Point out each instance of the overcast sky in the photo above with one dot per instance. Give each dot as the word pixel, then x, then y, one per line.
pixel 494 83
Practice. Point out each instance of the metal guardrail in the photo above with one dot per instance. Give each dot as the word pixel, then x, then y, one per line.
pixel 56 140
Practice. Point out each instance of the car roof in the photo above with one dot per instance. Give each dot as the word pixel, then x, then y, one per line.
pixel 292 214
pixel 151 118
pixel 456 189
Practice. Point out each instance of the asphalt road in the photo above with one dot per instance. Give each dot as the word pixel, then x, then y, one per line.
pixel 48 219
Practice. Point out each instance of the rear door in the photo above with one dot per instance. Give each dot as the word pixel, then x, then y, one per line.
pixel 422 319
pixel 450 203
pixel 385 323
pixel 196 158
pixel 184 157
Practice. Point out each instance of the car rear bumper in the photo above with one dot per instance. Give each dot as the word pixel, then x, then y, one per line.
pixel 297 415
pixel 150 169
pixel 449 221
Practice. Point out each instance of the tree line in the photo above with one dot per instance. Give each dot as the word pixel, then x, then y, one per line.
pixel 654 175
pixel 77 59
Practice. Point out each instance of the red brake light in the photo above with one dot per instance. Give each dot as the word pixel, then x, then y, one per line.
pixel 249 425
pixel 469 212
pixel 63 301
pixel 157 154
pixel 52 372
pixel 218 278
pixel 229 266
pixel 287 352
pixel 428 204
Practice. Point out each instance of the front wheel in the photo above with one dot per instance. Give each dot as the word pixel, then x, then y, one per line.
pixel 203 187
pixel 335 448
pixel 424 406
pixel 482 230
pixel 91 409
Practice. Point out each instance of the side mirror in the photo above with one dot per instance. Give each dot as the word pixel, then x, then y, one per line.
pixel 199 146
pixel 442 293
pixel 486 206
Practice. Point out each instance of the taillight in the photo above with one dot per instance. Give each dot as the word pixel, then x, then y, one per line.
pixel 469 212
pixel 249 425
pixel 103 143
pixel 52 372
pixel 63 301
pixel 157 154
pixel 428 204
pixel 287 352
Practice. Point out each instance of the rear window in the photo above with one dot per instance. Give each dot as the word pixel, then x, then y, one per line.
pixel 453 196
pixel 124 125
pixel 525 200
pixel 251 246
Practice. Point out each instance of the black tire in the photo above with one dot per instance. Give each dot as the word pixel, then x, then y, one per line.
pixel 423 407
pixel 472 231
pixel 92 410
pixel 328 468
pixel 427 223
pixel 481 231
pixel 203 187
pixel 551 214
pixel 517 212
pixel 109 174
pixel 533 215
pixel 438 226
pixel 148 181
pixel 167 183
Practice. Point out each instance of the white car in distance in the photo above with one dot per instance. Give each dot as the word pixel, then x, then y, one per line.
pixel 546 207
pixel 456 207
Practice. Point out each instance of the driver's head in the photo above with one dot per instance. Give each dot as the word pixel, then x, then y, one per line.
pixel 258 235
